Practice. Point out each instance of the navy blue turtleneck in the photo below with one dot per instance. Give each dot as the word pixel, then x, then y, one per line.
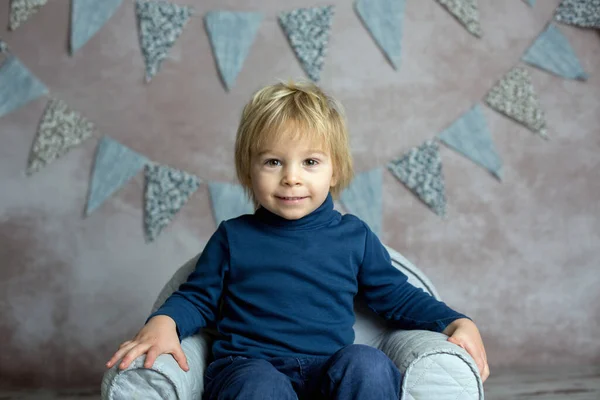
pixel 287 287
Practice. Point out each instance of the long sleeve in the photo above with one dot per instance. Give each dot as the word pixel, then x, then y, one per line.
pixel 195 304
pixel 388 292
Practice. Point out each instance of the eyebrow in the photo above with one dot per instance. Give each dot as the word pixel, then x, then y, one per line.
pixel 262 153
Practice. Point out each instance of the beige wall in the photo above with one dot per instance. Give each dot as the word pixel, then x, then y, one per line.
pixel 521 257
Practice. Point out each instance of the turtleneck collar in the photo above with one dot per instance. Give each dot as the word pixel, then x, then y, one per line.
pixel 320 217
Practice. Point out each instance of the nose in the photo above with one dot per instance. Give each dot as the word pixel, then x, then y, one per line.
pixel 291 176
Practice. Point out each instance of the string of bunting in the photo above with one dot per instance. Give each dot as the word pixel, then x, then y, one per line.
pixel 168 189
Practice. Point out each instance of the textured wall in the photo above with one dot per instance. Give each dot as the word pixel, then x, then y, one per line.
pixel 520 257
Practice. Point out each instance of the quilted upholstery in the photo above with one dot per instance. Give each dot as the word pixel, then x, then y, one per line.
pixel 432 367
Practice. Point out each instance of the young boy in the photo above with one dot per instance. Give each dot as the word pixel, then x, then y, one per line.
pixel 280 284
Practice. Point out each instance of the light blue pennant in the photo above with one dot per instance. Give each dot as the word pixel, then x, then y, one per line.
pixel 114 166
pixel 364 198
pixel 18 86
pixel 470 136
pixel 383 19
pixel 88 17
pixel 231 35
pixel 552 52
pixel 228 201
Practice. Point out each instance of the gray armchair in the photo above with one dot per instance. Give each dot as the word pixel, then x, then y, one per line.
pixel 432 368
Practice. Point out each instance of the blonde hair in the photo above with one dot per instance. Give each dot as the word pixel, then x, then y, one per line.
pixel 315 115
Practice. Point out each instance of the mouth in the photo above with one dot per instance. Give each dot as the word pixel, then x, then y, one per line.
pixel 291 198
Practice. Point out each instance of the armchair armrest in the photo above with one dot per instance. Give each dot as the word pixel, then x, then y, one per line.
pixel 165 379
pixel 432 367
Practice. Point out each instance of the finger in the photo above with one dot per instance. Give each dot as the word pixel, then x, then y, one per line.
pixel 151 356
pixel 133 354
pixel 125 343
pixel 476 355
pixel 119 354
pixel 486 372
pixel 180 358
pixel 456 341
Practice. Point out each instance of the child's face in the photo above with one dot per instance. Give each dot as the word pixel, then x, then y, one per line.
pixel 291 178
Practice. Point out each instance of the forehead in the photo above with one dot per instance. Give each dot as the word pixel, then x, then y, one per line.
pixel 289 137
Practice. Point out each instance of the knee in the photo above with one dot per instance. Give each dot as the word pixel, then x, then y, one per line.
pixel 364 362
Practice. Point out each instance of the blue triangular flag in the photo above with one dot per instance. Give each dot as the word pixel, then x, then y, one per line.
pixel 18 86
pixel 88 17
pixel 167 191
pixel 228 201
pixel 231 35
pixel 160 25
pixel 530 2
pixel 364 198
pixel 421 171
pixel 551 51
pixel 383 18
pixel 470 136
pixel 307 30
pixel 115 165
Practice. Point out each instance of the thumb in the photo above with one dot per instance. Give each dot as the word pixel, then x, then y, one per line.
pixel 179 356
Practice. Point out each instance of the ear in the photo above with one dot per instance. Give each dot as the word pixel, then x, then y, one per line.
pixel 334 180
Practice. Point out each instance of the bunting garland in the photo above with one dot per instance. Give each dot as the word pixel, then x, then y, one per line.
pixel 383 19
pixel 515 97
pixel 61 129
pixel 307 30
pixel 160 25
pixel 364 198
pixel 552 52
pixel 22 10
pixel 231 35
pixel 470 136
pixel 166 192
pixel 582 13
pixel 114 166
pixel 420 170
pixel 88 17
pixel 466 12
pixel 18 86
pixel 228 201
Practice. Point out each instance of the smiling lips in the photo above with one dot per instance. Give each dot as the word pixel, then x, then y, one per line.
pixel 295 198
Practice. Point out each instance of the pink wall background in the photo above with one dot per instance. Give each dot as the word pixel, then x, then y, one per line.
pixel 521 257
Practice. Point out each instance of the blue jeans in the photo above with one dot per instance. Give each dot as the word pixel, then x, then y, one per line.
pixel 354 372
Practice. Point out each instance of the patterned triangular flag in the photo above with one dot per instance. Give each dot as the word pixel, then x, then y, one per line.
pixel 420 170
pixel 515 97
pixel 364 198
pixel 18 86
pixel 228 201
pixel 530 2
pixel 115 165
pixel 231 35
pixel 160 25
pixel 551 51
pixel 167 191
pixel 307 30
pixel 88 17
pixel 582 13
pixel 21 10
pixel 60 130
pixel 471 136
pixel 467 13
pixel 383 18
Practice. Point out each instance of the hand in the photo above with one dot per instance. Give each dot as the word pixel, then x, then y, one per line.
pixel 464 333
pixel 158 336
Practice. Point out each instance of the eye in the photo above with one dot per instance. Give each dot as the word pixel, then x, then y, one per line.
pixel 272 162
pixel 311 162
